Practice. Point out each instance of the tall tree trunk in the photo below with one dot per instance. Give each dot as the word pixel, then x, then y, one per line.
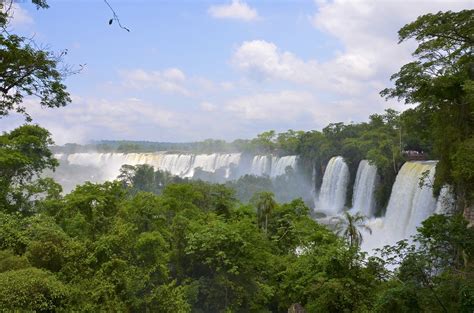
pixel 266 223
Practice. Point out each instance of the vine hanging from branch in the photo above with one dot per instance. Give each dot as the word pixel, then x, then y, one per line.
pixel 115 17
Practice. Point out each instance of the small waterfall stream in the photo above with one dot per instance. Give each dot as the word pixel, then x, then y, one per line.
pixel 363 199
pixel 332 196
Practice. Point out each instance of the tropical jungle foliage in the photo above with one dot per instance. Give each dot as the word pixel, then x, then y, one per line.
pixel 150 242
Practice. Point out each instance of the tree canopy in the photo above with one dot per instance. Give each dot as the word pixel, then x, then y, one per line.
pixel 27 70
pixel 441 82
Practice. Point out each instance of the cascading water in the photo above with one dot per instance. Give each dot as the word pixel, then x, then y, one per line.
pixel 332 196
pixel 206 162
pixel 314 191
pixel 260 165
pixel 109 163
pixel 99 167
pixel 227 161
pixel 279 165
pixel 409 205
pixel 176 164
pixel 363 200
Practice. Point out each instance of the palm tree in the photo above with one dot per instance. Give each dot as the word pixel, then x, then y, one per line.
pixel 265 203
pixel 348 226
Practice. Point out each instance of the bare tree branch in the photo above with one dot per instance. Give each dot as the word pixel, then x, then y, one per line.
pixel 115 17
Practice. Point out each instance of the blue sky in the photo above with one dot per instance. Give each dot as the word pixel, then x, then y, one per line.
pixel 190 70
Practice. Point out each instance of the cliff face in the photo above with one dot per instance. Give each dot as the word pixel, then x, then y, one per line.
pixel 296 308
pixel 469 214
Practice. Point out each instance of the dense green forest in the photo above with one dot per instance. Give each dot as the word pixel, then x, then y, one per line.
pixel 151 242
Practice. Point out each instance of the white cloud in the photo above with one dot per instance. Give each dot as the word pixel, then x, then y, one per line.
pixel 351 78
pixel 207 106
pixel 263 60
pixel 204 84
pixel 174 74
pixel 368 30
pixel 117 115
pixel 19 16
pixel 299 109
pixel 170 80
pixel 87 118
pixel 237 10
pixel 227 85
pixel 285 105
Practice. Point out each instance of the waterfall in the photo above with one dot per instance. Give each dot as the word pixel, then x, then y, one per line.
pixel 363 200
pixel 260 165
pixel 228 161
pixel 279 165
pixel 212 162
pixel 273 166
pixel 176 164
pixel 409 205
pixel 108 163
pixel 99 167
pixel 332 196
pixel 314 191
pixel 207 163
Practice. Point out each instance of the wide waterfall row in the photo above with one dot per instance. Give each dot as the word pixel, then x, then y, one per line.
pixel 226 166
pixel 411 200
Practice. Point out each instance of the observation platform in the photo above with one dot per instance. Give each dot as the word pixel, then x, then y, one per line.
pixel 413 155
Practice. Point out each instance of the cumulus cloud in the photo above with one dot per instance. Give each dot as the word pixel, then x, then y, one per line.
pixel 237 10
pixel 368 30
pixel 352 77
pixel 174 74
pixel 170 80
pixel 292 91
pixel 118 116
pixel 263 60
pixel 207 106
pixel 87 118
pixel 19 16
pixel 300 109
pixel 204 84
pixel 227 85
pixel 285 105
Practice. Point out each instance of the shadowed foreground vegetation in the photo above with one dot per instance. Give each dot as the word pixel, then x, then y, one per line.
pixel 160 244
